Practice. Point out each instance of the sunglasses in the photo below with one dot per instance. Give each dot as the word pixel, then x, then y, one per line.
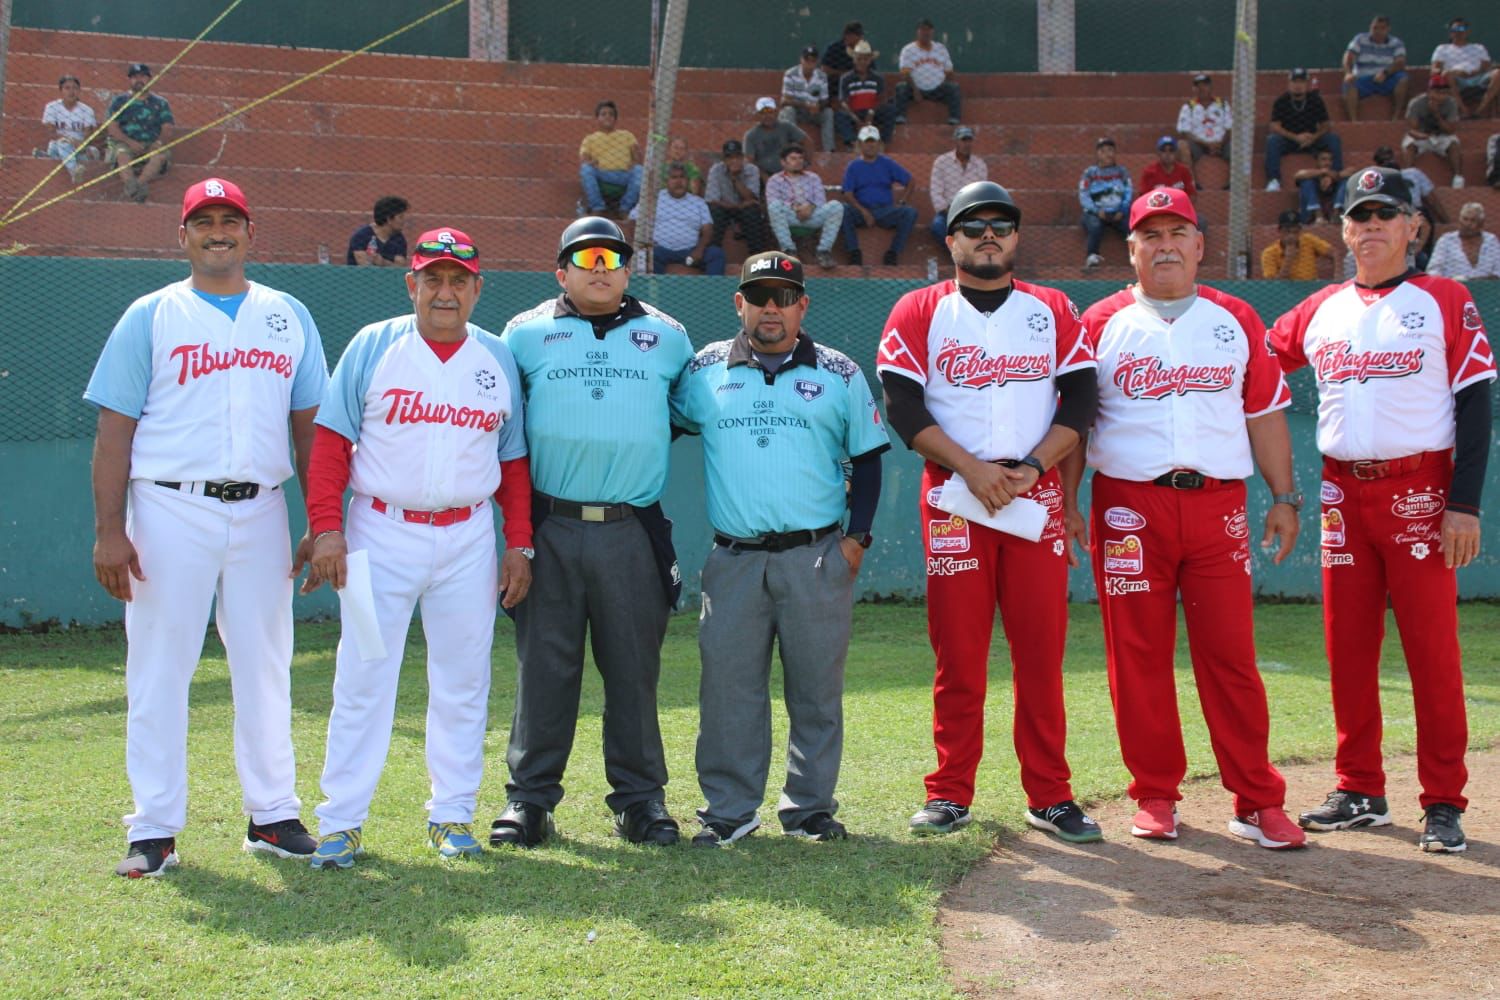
pixel 437 248
pixel 1385 213
pixel 760 295
pixel 974 228
pixel 590 257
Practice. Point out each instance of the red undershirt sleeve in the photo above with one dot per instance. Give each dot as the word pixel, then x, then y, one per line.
pixel 327 476
pixel 514 497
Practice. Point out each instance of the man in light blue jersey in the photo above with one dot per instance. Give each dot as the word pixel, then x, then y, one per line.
pixel 779 416
pixel 597 369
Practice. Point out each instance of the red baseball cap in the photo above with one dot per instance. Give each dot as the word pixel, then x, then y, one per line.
pixel 446 243
pixel 214 191
pixel 1162 201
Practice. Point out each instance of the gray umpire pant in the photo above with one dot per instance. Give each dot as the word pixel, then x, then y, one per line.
pixel 804 598
pixel 600 580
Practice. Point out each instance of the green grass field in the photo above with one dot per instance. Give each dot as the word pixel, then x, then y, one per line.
pixel 772 917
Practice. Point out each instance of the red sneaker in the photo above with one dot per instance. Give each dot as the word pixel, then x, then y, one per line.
pixel 1269 827
pixel 1157 820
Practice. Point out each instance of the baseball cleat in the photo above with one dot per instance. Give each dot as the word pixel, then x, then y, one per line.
pixel 716 834
pixel 337 850
pixel 1269 827
pixel 939 816
pixel 453 840
pixel 1345 810
pixel 819 826
pixel 1067 822
pixel 286 838
pixel 1156 820
pixel 148 858
pixel 1443 832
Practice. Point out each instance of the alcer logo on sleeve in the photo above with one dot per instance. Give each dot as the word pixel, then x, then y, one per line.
pixel 1146 377
pixel 969 366
pixel 1339 362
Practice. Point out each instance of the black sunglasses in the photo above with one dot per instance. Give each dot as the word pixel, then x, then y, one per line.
pixel 1385 213
pixel 974 228
pixel 760 295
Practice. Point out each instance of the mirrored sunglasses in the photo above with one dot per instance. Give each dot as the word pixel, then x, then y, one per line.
pixel 974 228
pixel 1384 213
pixel 437 248
pixel 760 295
pixel 590 257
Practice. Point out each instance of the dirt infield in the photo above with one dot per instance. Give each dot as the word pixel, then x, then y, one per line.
pixel 1356 914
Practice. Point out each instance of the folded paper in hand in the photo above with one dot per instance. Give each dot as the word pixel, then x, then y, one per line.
pixel 1022 517
pixel 358 600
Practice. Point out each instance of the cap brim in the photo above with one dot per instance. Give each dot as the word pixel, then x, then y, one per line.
pixel 1376 196
pixel 418 262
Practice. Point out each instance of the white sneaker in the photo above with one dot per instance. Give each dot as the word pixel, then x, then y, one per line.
pixel 1458 181
pixel 1273 185
pixel 1092 261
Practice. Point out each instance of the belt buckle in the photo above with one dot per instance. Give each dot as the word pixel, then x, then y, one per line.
pixel 1185 479
pixel 1367 470
pixel 235 492
pixel 416 516
pixel 587 512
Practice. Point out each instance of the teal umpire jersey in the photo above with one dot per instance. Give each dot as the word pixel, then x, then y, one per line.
pixel 774 445
pixel 598 419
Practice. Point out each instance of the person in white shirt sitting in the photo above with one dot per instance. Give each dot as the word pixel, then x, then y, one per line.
pixel 1467 252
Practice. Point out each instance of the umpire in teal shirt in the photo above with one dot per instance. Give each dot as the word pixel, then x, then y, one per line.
pixel 598 368
pixel 780 416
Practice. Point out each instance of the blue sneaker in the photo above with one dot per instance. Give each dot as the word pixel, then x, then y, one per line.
pixel 337 850
pixel 453 840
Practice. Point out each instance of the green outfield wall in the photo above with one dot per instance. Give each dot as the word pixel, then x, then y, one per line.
pixel 60 310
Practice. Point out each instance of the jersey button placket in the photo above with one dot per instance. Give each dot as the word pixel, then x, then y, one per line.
pixel 1180 406
pixel 441 451
pixel 1002 403
pixel 238 397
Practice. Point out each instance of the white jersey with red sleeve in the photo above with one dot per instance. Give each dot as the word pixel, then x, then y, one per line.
pixel 989 381
pixel 1176 395
pixel 1388 362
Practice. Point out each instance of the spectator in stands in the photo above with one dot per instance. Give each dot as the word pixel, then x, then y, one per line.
pixel 71 122
pixel 806 98
pixel 677 152
pixel 1467 252
pixel 1104 191
pixel 1320 190
pixel 769 136
pixel 609 155
pixel 1431 127
pixel 139 121
pixel 1468 65
pixel 1375 63
pixel 927 71
pixel 381 243
pixel 1166 171
pixel 1203 126
pixel 1417 182
pixel 1299 124
pixel 876 191
pixel 838 58
pixel 953 170
pixel 733 195
pixel 862 98
pixel 682 228
pixel 1295 254
pixel 795 197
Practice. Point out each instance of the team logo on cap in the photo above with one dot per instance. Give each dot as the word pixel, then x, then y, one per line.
pixel 644 340
pixel 1371 180
pixel 1159 199
pixel 786 264
pixel 446 237
pixel 762 264
pixel 808 390
pixel 213 189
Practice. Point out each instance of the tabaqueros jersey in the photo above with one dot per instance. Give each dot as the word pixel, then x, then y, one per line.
pixel 774 444
pixel 1176 395
pixel 597 416
pixel 989 381
pixel 211 394
pixel 428 434
pixel 1388 362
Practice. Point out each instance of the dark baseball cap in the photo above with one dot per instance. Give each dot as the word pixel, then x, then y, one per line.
pixel 1300 73
pixel 771 266
pixel 138 69
pixel 1458 24
pixel 732 147
pixel 809 50
pixel 1102 141
pixel 1167 142
pixel 1288 219
pixel 1379 184
pixel 1384 156
pixel 1203 78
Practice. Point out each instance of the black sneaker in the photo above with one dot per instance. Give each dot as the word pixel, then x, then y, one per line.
pixel 939 816
pixel 856 258
pixel 148 858
pixel 523 824
pixel 890 259
pixel 716 834
pixel 1067 822
pixel 286 838
pixel 1345 810
pixel 1443 832
pixel 818 826
pixel 647 823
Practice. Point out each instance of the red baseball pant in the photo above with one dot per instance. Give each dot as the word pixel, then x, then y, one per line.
pixel 971 569
pixel 1149 542
pixel 1381 539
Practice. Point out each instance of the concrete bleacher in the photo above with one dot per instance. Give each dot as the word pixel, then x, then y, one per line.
pixel 493 147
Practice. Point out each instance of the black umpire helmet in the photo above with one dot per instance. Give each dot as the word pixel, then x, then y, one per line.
pixel 981 194
pixel 592 231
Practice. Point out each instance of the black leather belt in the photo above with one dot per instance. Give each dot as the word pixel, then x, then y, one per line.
pixel 223 492
pixel 1185 479
pixel 775 541
pixel 596 512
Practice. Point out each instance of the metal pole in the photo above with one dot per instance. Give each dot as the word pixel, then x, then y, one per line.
pixel 489 24
pixel 4 45
pixel 1242 139
pixel 1056 50
pixel 664 93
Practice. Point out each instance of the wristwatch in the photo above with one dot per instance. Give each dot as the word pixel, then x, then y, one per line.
pixel 1294 499
pixel 864 538
pixel 527 552
pixel 690 261
pixel 1035 463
